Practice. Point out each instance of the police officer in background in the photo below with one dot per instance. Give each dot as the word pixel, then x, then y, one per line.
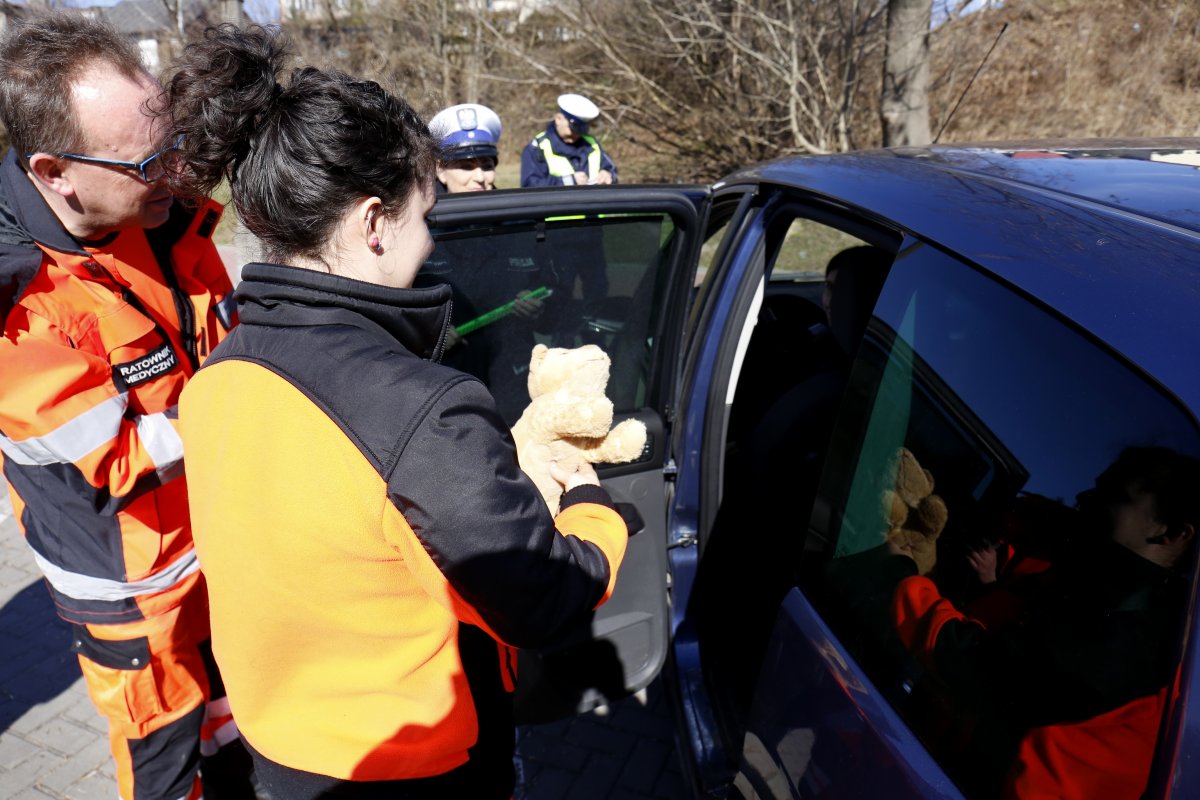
pixel 470 136
pixel 564 154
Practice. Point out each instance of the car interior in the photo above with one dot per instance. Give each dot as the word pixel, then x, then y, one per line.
pixel 788 390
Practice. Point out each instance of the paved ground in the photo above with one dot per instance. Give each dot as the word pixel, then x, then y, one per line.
pixel 53 743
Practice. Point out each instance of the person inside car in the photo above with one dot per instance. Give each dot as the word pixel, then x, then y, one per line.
pixel 1067 701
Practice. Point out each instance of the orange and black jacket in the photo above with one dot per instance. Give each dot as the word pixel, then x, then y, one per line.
pixel 98 342
pixel 370 544
pixel 1067 701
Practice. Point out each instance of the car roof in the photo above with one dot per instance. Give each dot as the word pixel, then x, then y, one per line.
pixel 1107 234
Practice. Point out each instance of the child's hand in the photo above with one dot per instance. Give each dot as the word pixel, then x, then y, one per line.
pixel 983 561
pixel 897 549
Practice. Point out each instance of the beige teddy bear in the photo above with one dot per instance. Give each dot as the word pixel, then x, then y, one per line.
pixel 569 418
pixel 916 516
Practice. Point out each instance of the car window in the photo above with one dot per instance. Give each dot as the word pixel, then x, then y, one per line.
pixel 1003 535
pixel 561 282
pixel 807 248
pixel 792 345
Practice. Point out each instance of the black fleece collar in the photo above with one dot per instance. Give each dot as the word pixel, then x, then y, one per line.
pixel 30 210
pixel 283 296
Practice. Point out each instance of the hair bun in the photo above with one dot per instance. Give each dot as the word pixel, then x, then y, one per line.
pixel 223 91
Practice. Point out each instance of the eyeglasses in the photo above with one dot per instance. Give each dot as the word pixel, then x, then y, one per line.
pixel 149 170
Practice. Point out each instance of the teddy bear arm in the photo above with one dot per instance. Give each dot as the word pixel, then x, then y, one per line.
pixel 623 443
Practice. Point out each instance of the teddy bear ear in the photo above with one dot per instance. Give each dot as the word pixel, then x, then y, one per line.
pixel 537 357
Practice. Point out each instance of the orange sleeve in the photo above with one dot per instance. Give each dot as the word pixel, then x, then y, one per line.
pixel 919 612
pixel 1106 756
pixel 603 527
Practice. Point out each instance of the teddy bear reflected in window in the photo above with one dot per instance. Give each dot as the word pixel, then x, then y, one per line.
pixel 916 516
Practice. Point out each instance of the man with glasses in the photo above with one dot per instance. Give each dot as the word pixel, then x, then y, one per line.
pixel 111 295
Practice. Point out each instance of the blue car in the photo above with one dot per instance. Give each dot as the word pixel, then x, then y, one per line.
pixel 917 510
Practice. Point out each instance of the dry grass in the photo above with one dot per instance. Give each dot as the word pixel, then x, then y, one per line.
pixel 1072 68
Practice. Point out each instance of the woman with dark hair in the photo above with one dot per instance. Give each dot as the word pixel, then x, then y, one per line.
pixel 371 547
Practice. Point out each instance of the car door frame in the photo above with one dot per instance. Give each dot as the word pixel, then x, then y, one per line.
pixel 717 342
pixel 553 682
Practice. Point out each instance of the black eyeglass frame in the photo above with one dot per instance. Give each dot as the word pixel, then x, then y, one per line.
pixel 137 166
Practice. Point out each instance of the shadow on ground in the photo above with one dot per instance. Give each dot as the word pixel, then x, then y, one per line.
pixel 36 664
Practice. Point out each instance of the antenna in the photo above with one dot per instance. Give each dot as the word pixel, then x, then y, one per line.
pixel 969 83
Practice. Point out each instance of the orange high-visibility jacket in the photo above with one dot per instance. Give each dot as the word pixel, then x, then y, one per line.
pixel 366 527
pixel 98 343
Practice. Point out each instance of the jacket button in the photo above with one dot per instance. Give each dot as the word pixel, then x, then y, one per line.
pixel 135 662
pixel 78 643
pixel 91 266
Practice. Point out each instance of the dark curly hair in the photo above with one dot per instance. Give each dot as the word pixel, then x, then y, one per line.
pixel 296 156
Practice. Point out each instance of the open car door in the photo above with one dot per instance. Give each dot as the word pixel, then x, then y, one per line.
pixel 610 266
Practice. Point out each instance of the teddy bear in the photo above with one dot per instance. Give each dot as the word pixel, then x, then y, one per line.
pixel 915 515
pixel 569 418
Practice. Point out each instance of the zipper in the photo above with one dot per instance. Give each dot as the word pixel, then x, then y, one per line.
pixel 185 312
pixel 183 304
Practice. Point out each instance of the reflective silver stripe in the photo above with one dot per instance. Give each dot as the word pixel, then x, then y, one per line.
pixel 221 736
pixel 72 440
pixel 217 708
pixel 86 587
pixel 161 441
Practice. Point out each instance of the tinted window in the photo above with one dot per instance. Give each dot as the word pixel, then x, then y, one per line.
pixel 560 282
pixel 1038 497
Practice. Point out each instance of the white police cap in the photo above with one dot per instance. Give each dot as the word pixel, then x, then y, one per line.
pixel 466 130
pixel 578 110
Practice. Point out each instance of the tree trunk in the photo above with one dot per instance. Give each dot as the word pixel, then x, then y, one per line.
pixel 904 106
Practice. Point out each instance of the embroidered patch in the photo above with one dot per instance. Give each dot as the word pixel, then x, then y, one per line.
pixel 148 367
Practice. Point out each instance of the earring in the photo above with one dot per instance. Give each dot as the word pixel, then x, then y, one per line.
pixel 373 243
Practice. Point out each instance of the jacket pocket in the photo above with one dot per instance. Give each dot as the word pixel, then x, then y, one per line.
pixel 120 676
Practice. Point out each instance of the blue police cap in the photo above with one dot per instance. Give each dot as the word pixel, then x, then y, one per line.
pixel 467 130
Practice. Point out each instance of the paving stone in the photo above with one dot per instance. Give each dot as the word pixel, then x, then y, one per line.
pixel 39 714
pixel 641 721
pixel 74 770
pixel 61 735
pixel 671 782
pixel 96 786
pixel 628 794
pixel 598 778
pixel 537 747
pixel 32 793
pixel 642 768
pixel 28 772
pixel 552 784
pixel 585 732
pixel 83 712
pixel 14 749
